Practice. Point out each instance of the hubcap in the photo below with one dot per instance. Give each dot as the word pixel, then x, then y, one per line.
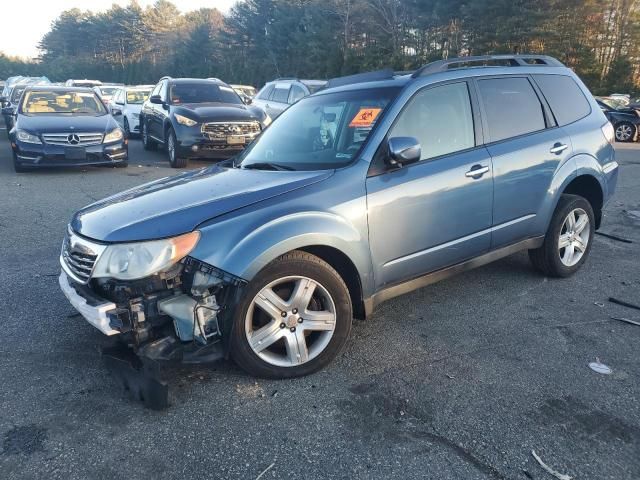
pixel 144 133
pixel 623 132
pixel 290 321
pixel 171 147
pixel 574 237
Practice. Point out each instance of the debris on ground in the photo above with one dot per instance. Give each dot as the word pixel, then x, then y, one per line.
pixel 599 367
pixel 624 304
pixel 626 320
pixel 549 470
pixel 265 471
pixel 599 304
pixel 614 237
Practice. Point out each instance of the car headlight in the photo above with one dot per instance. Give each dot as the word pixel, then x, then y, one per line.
pixel 132 261
pixel 27 137
pixel 266 121
pixel 186 121
pixel 113 136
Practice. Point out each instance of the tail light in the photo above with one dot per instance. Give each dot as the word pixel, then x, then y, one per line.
pixel 609 132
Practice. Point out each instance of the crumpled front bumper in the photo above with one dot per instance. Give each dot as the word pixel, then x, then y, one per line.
pixel 94 310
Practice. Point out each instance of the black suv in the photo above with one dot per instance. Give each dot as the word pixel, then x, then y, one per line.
pixel 197 118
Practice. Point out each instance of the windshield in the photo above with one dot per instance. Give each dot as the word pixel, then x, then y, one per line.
pixel 38 102
pixel 319 133
pixel 137 97
pixel 108 91
pixel 203 93
pixel 613 103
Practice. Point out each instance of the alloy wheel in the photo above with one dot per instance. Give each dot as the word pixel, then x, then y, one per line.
pixel 145 134
pixel 171 148
pixel 290 321
pixel 574 237
pixel 624 132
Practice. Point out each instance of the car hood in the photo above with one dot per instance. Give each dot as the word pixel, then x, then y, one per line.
pixel 64 123
pixel 219 112
pixel 175 205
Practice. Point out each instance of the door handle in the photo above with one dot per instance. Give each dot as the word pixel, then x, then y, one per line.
pixel 477 171
pixel 558 148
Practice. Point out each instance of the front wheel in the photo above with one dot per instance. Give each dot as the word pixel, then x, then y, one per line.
pixel 568 240
pixel 172 150
pixel 17 166
pixel 127 129
pixel 294 319
pixel 625 132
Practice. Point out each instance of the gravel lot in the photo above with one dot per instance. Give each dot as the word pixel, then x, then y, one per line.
pixel 460 380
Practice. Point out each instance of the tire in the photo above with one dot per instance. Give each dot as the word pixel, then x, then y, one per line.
pixel 147 142
pixel 550 258
pixel 291 350
pixel 127 129
pixel 122 164
pixel 625 132
pixel 17 166
pixel 172 150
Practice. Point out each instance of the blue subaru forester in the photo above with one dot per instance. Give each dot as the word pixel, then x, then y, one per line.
pixel 375 186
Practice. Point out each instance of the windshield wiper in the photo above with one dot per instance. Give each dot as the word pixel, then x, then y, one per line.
pixel 267 166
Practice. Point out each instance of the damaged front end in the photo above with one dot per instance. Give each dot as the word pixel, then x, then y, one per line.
pixel 182 313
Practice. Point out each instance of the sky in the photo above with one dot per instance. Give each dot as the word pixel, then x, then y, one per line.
pixel 31 19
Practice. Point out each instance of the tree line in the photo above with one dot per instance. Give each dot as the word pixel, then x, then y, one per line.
pixel 258 40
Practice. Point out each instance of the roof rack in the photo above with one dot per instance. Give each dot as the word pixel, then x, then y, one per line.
pixel 485 60
pixel 386 74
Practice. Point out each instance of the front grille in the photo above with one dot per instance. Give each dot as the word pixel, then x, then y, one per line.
pixel 73 139
pixel 222 130
pixel 79 256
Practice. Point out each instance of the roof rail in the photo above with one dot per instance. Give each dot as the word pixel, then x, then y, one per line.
pixel 484 60
pixel 386 74
pixel 284 78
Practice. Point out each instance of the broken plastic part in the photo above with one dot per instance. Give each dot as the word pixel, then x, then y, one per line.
pixel 192 319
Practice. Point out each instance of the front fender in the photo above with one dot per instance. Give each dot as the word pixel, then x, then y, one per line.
pixel 243 248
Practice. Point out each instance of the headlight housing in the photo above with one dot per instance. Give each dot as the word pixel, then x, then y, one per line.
pixel 132 261
pixel 27 137
pixel 113 136
pixel 186 121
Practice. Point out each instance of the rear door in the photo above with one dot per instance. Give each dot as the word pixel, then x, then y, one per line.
pixel 437 212
pixel 526 148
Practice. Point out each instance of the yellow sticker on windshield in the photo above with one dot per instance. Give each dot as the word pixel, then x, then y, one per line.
pixel 365 117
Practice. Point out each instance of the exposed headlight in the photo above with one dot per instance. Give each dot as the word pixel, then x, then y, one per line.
pixel 131 261
pixel 113 136
pixel 184 120
pixel 267 120
pixel 27 137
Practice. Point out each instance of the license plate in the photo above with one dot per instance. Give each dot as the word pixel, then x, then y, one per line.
pixel 235 140
pixel 76 153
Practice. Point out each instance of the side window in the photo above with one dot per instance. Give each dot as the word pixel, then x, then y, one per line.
pixel 565 98
pixel 280 94
pixel 119 97
pixel 163 90
pixel 440 118
pixel 156 89
pixel 296 93
pixel 511 106
pixel 265 93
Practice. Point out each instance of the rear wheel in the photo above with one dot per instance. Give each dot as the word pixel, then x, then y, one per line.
pixel 625 132
pixel 147 142
pixel 568 241
pixel 172 150
pixel 294 319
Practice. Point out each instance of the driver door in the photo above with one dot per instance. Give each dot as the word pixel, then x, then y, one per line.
pixel 436 212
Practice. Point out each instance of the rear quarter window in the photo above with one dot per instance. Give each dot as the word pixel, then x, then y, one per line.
pixel 280 94
pixel 265 93
pixel 565 98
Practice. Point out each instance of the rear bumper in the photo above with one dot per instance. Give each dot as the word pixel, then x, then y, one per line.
pixel 31 155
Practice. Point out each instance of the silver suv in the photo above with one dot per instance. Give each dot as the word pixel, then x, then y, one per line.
pixel 276 96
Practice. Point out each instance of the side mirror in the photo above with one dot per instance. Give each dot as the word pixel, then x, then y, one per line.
pixel 116 111
pixel 403 151
pixel 3 99
pixel 156 99
pixel 247 100
pixel 7 111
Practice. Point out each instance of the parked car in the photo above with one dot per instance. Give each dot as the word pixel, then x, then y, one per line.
pixel 246 92
pixel 198 118
pixel 625 121
pixel 276 96
pixel 82 83
pixel 65 126
pixel 126 105
pixel 106 91
pixel 355 195
pixel 15 91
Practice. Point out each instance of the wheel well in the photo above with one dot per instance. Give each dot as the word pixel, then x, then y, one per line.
pixel 347 270
pixel 588 188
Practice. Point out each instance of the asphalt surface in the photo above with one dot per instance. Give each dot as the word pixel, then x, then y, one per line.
pixel 459 380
